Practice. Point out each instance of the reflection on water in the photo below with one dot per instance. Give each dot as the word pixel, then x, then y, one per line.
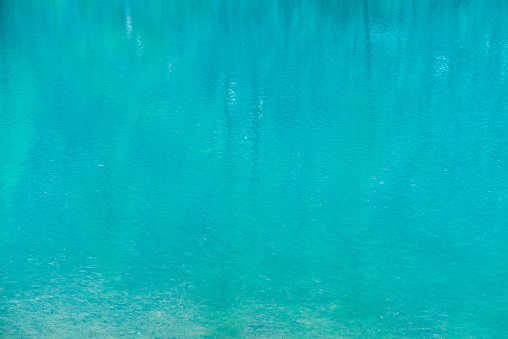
pixel 238 168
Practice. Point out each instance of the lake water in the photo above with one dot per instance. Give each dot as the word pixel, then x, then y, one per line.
pixel 235 169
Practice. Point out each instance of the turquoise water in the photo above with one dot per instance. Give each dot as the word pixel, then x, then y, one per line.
pixel 232 169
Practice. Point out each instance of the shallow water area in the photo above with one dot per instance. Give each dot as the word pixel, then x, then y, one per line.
pixel 236 169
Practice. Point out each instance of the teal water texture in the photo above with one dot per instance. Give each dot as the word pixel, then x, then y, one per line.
pixel 227 169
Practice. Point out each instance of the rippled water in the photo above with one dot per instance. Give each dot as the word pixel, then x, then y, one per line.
pixel 217 168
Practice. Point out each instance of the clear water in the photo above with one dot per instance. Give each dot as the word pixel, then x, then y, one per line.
pixel 227 169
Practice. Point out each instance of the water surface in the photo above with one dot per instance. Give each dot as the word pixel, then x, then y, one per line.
pixel 227 169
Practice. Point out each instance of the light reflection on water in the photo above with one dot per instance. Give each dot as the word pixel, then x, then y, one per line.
pixel 270 168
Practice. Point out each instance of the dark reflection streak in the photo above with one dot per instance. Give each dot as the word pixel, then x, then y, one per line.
pixel 368 50
pixel 3 54
pixel 4 72
pixel 228 121
pixel 255 117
